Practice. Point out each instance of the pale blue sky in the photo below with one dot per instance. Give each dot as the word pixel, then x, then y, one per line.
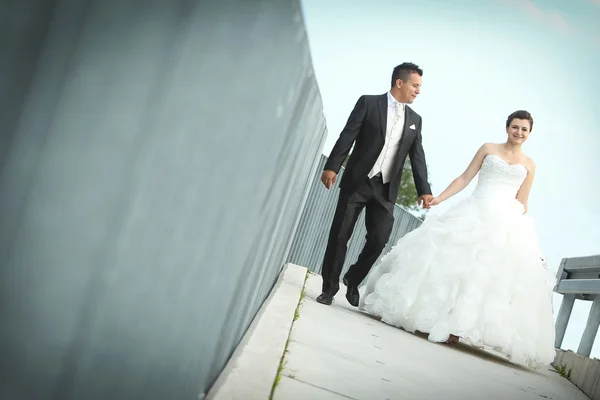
pixel 482 60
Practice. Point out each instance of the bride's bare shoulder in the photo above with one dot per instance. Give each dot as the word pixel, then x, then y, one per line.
pixel 529 163
pixel 489 148
pixel 492 146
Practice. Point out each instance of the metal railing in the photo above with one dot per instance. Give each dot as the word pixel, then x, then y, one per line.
pixel 578 278
pixel 309 244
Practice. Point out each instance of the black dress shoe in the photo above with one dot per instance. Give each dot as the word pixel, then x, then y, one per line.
pixel 325 298
pixel 351 293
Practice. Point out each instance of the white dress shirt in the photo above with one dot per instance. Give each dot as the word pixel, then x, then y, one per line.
pixel 395 126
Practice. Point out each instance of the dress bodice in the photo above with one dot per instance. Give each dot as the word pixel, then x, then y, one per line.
pixel 498 179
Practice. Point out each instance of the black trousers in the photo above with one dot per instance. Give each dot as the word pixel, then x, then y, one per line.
pixel 379 220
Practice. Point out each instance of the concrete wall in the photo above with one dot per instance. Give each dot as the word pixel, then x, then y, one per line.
pixel 155 158
pixel 584 372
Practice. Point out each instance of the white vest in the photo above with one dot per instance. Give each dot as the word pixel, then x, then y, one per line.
pixel 395 126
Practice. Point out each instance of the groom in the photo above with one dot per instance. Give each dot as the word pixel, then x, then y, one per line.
pixel 383 130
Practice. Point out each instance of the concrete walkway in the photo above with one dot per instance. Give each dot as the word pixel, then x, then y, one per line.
pixel 337 352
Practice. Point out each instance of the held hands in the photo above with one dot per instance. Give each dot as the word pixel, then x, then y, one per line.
pixel 434 202
pixel 424 200
pixel 328 178
pixel 427 201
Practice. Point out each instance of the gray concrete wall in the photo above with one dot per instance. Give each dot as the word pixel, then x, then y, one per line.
pixel 155 158
pixel 584 371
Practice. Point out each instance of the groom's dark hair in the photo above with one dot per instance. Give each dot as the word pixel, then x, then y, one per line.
pixel 521 114
pixel 404 71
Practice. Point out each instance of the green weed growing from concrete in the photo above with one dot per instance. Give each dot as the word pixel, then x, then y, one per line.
pixel 282 361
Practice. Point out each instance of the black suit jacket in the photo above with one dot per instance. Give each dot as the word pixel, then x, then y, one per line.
pixel 366 129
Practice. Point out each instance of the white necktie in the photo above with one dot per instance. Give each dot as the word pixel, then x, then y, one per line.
pixel 399 108
pixel 398 115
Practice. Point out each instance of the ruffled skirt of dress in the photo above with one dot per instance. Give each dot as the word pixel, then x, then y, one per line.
pixel 475 272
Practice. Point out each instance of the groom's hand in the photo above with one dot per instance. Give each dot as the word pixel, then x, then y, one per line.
pixel 434 202
pixel 328 178
pixel 424 200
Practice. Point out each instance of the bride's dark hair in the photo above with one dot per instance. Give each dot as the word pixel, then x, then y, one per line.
pixel 521 114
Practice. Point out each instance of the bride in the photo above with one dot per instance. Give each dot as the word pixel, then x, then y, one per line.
pixel 475 272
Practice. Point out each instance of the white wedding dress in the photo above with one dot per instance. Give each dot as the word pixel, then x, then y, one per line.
pixel 475 272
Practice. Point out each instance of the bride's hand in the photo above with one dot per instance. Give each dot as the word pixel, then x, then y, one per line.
pixel 435 201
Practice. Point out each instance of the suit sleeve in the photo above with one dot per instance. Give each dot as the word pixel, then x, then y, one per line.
pixel 347 137
pixel 419 164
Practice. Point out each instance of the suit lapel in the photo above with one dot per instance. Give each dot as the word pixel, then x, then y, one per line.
pixel 407 122
pixel 383 109
pixel 383 117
